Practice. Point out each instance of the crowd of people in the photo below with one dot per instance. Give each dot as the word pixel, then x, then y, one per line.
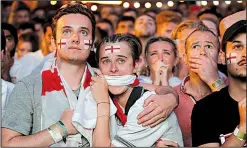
pixel 120 77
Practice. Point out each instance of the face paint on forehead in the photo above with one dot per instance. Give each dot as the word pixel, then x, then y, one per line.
pixel 112 48
pixel 88 44
pixel 231 58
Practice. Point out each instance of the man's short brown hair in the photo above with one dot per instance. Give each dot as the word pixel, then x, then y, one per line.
pixel 73 8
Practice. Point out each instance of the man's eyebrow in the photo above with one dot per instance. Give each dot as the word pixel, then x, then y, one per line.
pixel 210 42
pixel 236 41
pixel 195 43
pixel 82 28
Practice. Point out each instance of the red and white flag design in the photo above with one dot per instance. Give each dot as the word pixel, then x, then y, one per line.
pixel 62 43
pixel 111 49
pixel 88 44
pixel 231 58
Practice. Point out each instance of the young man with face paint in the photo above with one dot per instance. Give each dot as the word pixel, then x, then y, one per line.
pixel 201 53
pixel 44 115
pixel 118 62
pixel 220 118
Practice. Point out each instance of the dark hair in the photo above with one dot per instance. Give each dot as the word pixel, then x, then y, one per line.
pixel 106 21
pixel 210 11
pixel 202 28
pixel 23 7
pixel 47 24
pixel 132 41
pixel 157 39
pixel 39 8
pixel 28 25
pixel 131 9
pixel 31 37
pixel 38 20
pixel 13 32
pixel 3 41
pixel 74 8
pixel 151 10
pixel 126 18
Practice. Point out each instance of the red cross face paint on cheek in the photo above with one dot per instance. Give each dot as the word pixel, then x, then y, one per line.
pixel 231 58
pixel 62 44
pixel 88 44
pixel 111 49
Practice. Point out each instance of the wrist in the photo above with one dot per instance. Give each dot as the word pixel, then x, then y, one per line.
pixel 242 128
pixel 216 84
pixel 241 135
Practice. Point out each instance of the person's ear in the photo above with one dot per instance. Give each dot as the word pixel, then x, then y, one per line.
pixel 136 65
pixel 185 59
pixel 53 43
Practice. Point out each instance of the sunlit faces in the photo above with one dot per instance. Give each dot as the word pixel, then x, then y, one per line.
pixel 73 30
pixel 23 48
pixel 202 43
pixel 236 49
pixel 118 63
pixel 161 53
pixel 144 26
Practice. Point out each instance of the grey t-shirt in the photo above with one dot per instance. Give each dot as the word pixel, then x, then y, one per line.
pixel 23 112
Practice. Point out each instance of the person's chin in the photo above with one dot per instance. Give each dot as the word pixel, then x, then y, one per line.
pixel 117 90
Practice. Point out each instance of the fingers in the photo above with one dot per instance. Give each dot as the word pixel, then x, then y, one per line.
pixel 196 61
pixel 195 70
pixel 157 122
pixel 98 72
pixel 152 117
pixel 142 117
pixel 195 66
pixel 148 101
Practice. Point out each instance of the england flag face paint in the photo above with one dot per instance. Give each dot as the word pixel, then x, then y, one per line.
pixel 62 44
pixel 231 58
pixel 88 44
pixel 112 49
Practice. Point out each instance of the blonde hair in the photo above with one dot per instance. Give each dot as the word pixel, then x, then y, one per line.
pixel 188 24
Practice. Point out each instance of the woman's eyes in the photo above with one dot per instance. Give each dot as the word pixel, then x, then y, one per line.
pixel 154 53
